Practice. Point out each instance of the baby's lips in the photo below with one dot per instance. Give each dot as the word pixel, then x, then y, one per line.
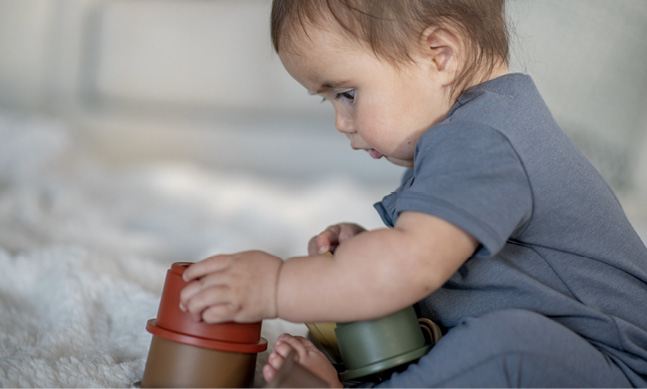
pixel 375 154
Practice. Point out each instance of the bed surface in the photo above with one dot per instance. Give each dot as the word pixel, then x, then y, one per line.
pixel 84 248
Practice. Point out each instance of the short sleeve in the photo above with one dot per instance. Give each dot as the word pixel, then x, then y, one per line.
pixel 470 176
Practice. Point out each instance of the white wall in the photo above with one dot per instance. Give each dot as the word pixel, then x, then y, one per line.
pixel 588 58
pixel 197 79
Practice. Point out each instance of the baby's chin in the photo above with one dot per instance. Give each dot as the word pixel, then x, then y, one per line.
pixel 400 162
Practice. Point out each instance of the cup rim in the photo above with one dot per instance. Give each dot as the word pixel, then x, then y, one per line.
pixel 179 267
pixel 385 364
pixel 213 344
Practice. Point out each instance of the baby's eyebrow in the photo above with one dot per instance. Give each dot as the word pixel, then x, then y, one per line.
pixel 325 86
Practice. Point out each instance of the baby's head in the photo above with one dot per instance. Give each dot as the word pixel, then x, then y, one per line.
pixel 391 68
pixel 393 28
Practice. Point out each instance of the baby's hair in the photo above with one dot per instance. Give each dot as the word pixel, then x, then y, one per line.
pixel 391 28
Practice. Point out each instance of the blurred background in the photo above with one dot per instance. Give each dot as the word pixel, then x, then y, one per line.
pixel 140 81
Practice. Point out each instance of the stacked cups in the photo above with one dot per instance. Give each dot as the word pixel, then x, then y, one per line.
pixel 188 353
pixel 372 346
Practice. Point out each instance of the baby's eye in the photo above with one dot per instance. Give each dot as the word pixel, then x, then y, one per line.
pixel 347 95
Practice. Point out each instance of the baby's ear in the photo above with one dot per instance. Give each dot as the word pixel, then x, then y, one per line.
pixel 442 49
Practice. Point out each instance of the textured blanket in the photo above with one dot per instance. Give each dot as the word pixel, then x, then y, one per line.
pixel 84 248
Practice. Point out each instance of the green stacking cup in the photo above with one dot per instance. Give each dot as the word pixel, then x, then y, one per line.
pixel 371 346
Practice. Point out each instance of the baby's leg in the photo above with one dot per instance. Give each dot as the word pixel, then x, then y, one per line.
pixel 308 356
pixel 512 348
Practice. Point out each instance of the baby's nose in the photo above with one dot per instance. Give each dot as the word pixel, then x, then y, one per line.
pixel 343 124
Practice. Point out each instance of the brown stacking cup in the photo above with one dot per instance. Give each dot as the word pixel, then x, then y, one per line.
pixel 188 353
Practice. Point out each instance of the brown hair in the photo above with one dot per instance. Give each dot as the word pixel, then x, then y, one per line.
pixel 392 27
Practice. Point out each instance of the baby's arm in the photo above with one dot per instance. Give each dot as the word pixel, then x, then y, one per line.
pixel 371 274
pixel 374 273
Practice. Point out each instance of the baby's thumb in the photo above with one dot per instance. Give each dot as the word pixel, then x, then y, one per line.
pixel 323 244
pixel 319 244
pixel 313 246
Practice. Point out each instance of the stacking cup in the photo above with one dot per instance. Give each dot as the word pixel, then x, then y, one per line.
pixel 324 334
pixel 372 346
pixel 188 353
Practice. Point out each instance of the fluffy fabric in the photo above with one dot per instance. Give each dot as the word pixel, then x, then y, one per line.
pixel 84 248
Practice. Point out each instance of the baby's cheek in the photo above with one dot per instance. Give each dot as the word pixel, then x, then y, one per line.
pixel 378 131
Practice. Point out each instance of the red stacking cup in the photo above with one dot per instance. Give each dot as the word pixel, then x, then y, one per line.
pixel 189 353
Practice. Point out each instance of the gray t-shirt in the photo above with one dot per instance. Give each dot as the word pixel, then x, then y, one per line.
pixel 553 237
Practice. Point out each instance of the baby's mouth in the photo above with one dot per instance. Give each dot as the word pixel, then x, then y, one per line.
pixel 374 154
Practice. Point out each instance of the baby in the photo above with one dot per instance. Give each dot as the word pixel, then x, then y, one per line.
pixel 501 231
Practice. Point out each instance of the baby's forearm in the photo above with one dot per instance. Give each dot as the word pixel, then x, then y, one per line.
pixel 370 275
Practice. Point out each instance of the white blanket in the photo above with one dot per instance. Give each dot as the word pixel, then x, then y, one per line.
pixel 84 248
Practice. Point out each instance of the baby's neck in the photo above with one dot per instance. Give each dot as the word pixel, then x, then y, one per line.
pixel 497 71
pixel 482 77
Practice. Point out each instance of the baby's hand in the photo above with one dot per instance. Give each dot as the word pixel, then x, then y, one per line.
pixel 331 237
pixel 239 287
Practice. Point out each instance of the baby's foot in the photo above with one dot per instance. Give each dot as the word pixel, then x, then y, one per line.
pixel 307 355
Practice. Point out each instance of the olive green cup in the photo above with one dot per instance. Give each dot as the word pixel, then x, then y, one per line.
pixel 372 346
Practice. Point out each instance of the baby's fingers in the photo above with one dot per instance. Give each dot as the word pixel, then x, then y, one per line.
pixel 325 242
pixel 318 245
pixel 220 313
pixel 206 266
pixel 192 289
pixel 209 297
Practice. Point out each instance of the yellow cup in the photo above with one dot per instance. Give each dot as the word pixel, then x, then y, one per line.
pixel 324 333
